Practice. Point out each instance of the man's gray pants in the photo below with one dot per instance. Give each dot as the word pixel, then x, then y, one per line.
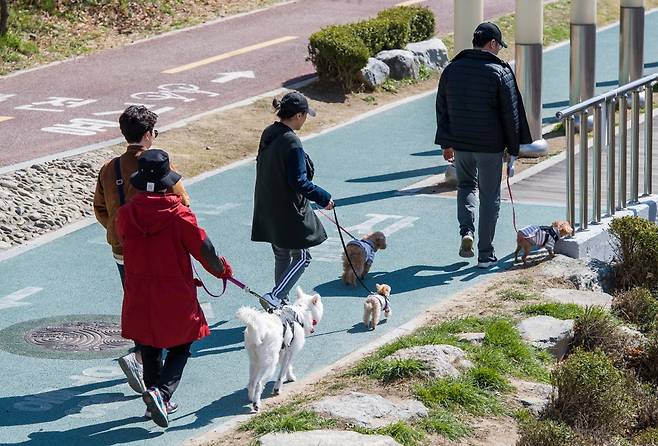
pixel 289 265
pixel 483 172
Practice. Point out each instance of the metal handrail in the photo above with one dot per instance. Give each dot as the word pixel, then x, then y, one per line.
pixel 617 92
pixel 577 116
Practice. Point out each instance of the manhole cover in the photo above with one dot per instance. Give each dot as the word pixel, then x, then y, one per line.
pixel 78 336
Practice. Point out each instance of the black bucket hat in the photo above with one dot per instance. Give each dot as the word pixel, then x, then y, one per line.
pixel 295 102
pixel 154 173
pixel 490 31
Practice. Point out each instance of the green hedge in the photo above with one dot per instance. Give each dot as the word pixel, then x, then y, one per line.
pixel 339 52
pixel 420 20
pixel 635 247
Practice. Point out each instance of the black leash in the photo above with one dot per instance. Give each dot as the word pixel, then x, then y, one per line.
pixel 340 234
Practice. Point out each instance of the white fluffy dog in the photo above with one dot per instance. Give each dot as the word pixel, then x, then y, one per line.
pixel 272 338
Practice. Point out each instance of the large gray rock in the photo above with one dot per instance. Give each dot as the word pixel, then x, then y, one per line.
pixel 374 73
pixel 590 274
pixel 402 63
pixel 547 333
pixel 533 396
pixel 443 360
pixel 368 410
pixel 584 298
pixel 432 53
pixel 326 438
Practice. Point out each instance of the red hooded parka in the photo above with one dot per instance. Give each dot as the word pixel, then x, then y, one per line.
pixel 160 307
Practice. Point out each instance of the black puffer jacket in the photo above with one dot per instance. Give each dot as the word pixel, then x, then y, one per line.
pixel 479 107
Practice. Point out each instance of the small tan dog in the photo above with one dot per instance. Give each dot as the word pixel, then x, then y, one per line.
pixel 362 253
pixel 540 236
pixel 374 304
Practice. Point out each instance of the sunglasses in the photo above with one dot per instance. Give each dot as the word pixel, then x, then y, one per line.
pixel 155 133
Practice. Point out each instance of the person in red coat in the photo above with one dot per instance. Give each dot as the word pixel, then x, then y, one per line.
pixel 160 307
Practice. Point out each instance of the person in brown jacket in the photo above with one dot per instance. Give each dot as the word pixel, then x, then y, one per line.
pixel 113 189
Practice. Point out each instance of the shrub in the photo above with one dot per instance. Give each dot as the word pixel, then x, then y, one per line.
pixel 635 247
pixel 647 407
pixel 338 54
pixel 381 34
pixel 637 306
pixel 546 433
pixel 420 20
pixel 647 437
pixel 596 329
pixel 554 309
pixel 592 394
pixel 645 363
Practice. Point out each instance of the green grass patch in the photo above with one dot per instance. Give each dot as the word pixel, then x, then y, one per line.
pixel 503 350
pixel 488 378
pixel 512 294
pixel 401 432
pixel 554 309
pixel 390 370
pixel 454 394
pixel 288 418
pixel 444 423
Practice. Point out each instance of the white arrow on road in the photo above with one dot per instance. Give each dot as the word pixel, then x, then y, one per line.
pixel 228 77
pixel 14 299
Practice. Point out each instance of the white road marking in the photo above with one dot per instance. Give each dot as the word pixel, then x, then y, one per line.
pixel 228 77
pixel 82 127
pixel 14 299
pixel 4 97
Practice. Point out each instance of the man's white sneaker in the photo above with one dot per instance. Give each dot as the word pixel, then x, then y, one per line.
pixel 156 406
pixel 133 371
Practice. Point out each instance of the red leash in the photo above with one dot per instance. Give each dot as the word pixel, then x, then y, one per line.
pixel 198 282
pixel 511 198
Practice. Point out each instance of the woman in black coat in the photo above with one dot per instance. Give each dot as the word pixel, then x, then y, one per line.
pixel 284 190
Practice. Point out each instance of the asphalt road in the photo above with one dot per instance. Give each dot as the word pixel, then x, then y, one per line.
pixel 76 104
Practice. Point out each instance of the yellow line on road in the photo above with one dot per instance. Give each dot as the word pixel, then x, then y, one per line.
pixel 410 2
pixel 5 118
pixel 219 57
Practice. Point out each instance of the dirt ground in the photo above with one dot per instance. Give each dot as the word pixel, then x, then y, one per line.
pixel 484 299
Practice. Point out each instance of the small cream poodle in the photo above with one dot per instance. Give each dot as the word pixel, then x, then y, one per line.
pixel 361 253
pixel 374 304
pixel 540 236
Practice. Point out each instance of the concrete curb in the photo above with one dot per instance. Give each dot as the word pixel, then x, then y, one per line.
pixel 595 241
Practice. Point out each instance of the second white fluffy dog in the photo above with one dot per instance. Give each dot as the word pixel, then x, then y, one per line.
pixel 274 338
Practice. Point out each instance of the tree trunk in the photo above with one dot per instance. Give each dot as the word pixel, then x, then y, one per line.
pixel 4 17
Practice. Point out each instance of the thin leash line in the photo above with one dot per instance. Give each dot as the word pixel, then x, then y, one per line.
pixel 511 198
pixel 342 242
pixel 340 228
pixel 233 280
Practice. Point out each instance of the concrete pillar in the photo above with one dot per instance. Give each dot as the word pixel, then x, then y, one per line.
pixel 528 66
pixel 468 15
pixel 583 50
pixel 631 41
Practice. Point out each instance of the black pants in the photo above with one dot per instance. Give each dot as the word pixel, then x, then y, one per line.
pixel 165 377
pixel 122 274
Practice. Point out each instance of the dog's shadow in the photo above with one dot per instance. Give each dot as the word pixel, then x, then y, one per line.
pixel 406 279
pixel 360 327
pixel 232 339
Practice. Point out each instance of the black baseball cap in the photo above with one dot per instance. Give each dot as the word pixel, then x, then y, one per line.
pixel 154 173
pixel 295 102
pixel 490 31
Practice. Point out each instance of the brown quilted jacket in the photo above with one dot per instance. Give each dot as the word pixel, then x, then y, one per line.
pixel 106 197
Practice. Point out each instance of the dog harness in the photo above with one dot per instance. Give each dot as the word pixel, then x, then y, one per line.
pixel 383 301
pixel 367 246
pixel 288 317
pixel 542 236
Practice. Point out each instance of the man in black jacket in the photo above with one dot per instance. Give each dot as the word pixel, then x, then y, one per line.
pixel 480 113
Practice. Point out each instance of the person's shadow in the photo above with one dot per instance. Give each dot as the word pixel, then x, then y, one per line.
pixel 219 337
pixel 100 434
pixel 55 404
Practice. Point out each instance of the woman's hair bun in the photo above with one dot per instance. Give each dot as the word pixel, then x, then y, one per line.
pixel 276 104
